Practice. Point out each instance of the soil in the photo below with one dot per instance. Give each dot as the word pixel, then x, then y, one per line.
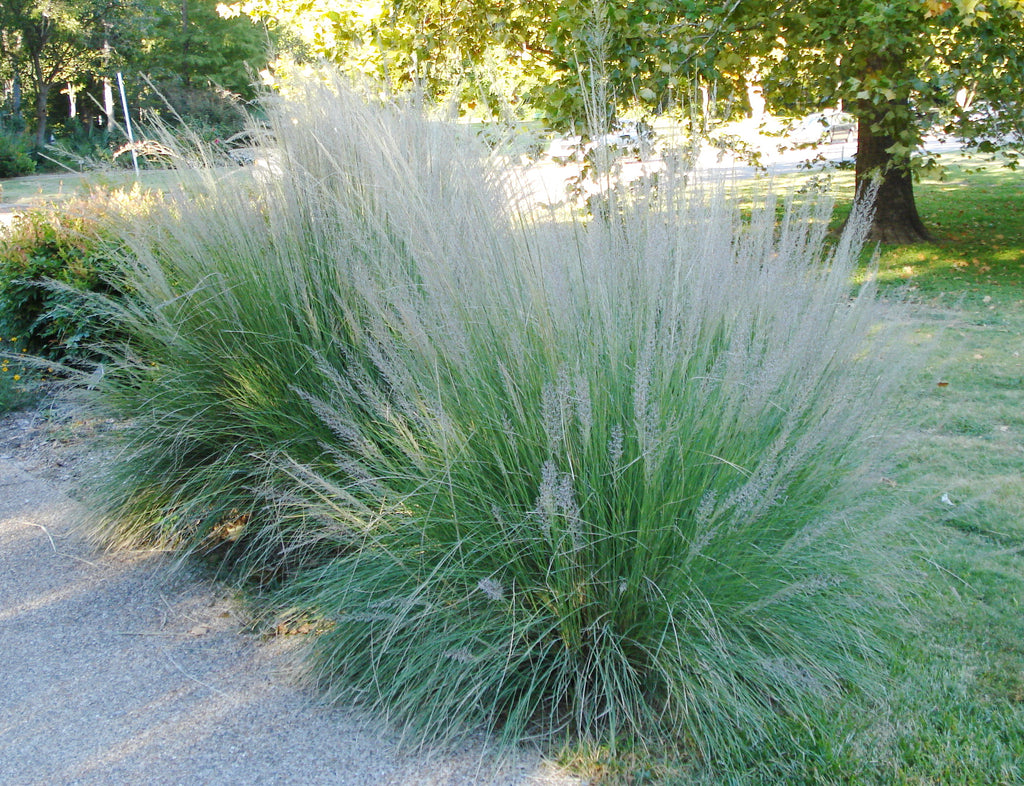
pixel 55 439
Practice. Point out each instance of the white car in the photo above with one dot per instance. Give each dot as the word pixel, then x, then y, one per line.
pixel 633 136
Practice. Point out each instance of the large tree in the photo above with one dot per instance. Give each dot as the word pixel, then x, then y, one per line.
pixel 898 67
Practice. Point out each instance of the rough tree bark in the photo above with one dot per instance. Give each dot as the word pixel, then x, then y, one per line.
pixel 19 121
pixel 42 97
pixel 896 220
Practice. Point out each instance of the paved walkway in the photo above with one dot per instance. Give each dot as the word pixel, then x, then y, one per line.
pixel 116 670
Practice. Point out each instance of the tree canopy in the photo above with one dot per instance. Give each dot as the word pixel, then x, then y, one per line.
pixel 79 45
pixel 902 67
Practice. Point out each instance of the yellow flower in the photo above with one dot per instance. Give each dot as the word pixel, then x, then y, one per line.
pixel 17 377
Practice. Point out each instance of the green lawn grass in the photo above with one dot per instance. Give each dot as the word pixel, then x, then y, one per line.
pixel 959 697
pixel 35 190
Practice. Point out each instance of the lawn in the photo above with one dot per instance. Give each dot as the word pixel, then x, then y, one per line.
pixel 36 190
pixel 958 714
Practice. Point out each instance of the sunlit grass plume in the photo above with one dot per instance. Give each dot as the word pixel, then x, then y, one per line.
pixel 599 480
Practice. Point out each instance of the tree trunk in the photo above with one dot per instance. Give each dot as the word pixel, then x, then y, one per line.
pixel 108 88
pixel 186 46
pixel 42 97
pixel 19 121
pixel 108 103
pixel 896 220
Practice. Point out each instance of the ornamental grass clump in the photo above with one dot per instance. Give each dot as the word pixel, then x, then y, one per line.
pixel 600 481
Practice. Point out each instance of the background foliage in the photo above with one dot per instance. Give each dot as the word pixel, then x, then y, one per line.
pixel 60 59
pixel 48 259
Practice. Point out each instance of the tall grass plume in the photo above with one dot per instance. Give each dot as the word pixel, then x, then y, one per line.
pixel 596 480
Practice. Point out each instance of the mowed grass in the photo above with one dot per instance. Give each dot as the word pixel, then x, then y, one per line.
pixel 958 709
pixel 31 191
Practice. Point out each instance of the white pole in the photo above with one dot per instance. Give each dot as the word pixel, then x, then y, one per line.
pixel 128 123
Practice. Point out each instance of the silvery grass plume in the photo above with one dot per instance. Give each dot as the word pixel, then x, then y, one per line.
pixel 596 480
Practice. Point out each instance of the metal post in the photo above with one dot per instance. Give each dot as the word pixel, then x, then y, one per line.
pixel 128 123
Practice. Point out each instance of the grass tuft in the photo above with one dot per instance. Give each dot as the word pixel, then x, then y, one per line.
pixel 601 481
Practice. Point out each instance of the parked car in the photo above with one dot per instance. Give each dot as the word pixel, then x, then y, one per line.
pixel 630 136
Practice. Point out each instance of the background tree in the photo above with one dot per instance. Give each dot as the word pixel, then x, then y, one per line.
pixel 10 75
pixel 451 51
pixel 50 41
pixel 201 61
pixel 643 54
pixel 188 41
pixel 546 50
pixel 900 66
pixel 897 66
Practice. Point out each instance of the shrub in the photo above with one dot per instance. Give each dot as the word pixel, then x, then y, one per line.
pixel 80 147
pixel 206 112
pixel 15 159
pixel 17 377
pixel 598 480
pixel 48 258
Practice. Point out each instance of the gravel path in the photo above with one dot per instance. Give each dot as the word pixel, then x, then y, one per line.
pixel 117 669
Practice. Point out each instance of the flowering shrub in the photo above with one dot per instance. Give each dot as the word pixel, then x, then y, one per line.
pixel 14 388
pixel 48 259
